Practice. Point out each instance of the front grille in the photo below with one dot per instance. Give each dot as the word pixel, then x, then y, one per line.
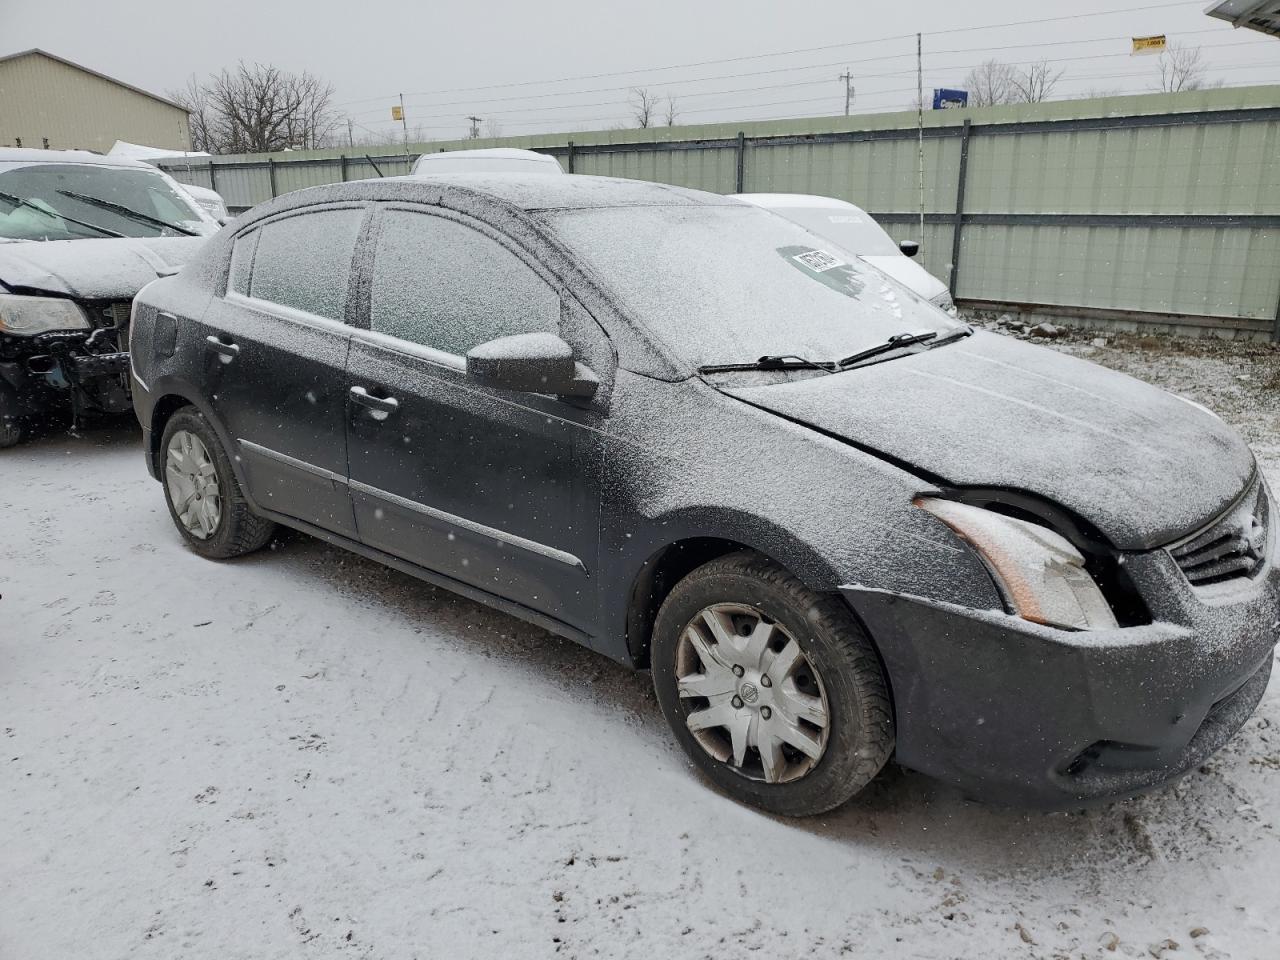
pixel 1234 545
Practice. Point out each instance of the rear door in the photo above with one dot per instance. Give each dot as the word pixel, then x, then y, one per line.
pixel 276 348
pixel 494 489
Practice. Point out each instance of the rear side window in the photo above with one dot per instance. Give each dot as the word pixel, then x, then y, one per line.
pixel 304 262
pixel 447 286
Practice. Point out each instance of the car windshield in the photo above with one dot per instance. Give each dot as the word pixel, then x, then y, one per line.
pixel 72 201
pixel 849 227
pixel 734 283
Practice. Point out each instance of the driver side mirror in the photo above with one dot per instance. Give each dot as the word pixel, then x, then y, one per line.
pixel 909 247
pixel 530 363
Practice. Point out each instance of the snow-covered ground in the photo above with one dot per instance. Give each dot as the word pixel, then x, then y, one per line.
pixel 302 753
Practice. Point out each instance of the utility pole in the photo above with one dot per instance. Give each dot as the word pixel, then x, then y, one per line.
pixel 351 137
pixel 920 123
pixel 404 124
pixel 475 127
pixel 849 92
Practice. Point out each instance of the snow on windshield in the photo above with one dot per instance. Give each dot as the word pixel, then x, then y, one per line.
pixel 732 284
pixel 72 201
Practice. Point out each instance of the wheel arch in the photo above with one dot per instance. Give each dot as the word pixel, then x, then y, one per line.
pixel 668 563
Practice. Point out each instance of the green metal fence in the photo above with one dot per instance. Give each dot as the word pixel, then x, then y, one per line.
pixel 1157 211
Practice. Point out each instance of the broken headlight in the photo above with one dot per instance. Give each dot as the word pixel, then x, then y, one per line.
pixel 1040 573
pixel 27 316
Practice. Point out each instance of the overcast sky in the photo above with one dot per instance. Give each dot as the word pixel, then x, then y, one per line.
pixel 438 54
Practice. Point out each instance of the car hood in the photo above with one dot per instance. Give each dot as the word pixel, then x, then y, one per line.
pixel 1143 466
pixel 107 269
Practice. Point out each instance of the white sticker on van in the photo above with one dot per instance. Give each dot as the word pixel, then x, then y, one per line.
pixel 844 218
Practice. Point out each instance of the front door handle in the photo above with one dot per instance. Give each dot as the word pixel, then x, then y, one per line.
pixel 226 350
pixel 379 407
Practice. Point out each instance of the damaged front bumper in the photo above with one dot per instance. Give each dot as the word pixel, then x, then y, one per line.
pixel 1012 711
pixel 70 368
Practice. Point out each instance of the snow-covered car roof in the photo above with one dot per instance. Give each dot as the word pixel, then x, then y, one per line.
pixel 490 160
pixel 26 155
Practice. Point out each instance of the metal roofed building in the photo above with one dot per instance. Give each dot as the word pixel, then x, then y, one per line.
pixel 48 101
pixel 1260 15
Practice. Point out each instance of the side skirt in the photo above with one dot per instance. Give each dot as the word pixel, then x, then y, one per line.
pixel 436 579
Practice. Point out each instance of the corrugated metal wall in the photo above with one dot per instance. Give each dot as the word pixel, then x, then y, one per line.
pixel 1164 208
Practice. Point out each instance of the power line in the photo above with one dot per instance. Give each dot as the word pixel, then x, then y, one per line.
pixel 787 53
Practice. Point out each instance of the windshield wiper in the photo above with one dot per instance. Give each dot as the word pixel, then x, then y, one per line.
pixel 24 202
pixel 129 212
pixel 768 363
pixel 896 342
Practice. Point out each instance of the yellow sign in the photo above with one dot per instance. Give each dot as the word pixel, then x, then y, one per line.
pixel 397 113
pixel 1150 44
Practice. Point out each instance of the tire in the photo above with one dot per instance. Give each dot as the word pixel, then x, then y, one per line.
pixel 841 672
pixel 237 530
pixel 11 425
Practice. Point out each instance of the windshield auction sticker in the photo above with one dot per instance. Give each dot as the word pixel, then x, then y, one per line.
pixel 827 269
pixel 819 261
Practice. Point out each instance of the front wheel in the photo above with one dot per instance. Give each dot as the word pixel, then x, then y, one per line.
pixel 204 498
pixel 774 691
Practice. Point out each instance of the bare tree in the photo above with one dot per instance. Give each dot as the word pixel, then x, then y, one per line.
pixel 671 112
pixel 492 129
pixel 1181 68
pixel 195 98
pixel 644 107
pixel 1035 83
pixel 259 108
pixel 990 84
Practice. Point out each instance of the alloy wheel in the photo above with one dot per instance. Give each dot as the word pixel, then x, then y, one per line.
pixel 192 481
pixel 753 699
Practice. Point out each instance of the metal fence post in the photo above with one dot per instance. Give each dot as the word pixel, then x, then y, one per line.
pixel 213 180
pixel 570 160
pixel 271 174
pixel 1275 328
pixel 958 222
pixel 742 156
pixel 343 166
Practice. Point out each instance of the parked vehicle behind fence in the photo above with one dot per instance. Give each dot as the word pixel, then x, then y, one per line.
pixel 836 524
pixel 855 230
pixel 490 160
pixel 80 234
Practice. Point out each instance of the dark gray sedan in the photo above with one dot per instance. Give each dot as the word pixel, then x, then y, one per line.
pixel 837 525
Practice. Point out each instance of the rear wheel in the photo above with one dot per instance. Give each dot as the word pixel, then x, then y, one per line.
pixel 204 499
pixel 772 689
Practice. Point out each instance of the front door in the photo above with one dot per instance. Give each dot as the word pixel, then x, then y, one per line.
pixel 276 346
pixel 493 489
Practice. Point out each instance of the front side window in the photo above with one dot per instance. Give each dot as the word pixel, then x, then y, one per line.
pixel 304 261
pixel 447 286
pixel 242 262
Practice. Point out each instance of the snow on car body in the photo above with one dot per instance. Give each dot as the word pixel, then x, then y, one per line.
pixel 80 234
pixel 1014 570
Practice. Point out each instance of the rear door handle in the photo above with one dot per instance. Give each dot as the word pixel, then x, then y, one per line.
pixel 379 407
pixel 228 351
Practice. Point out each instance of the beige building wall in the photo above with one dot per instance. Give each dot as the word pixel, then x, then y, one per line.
pixel 43 97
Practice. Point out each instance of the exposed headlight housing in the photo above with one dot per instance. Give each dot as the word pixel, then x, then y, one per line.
pixel 1042 575
pixel 28 316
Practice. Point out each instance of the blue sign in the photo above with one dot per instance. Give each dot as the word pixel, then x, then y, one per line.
pixel 950 99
